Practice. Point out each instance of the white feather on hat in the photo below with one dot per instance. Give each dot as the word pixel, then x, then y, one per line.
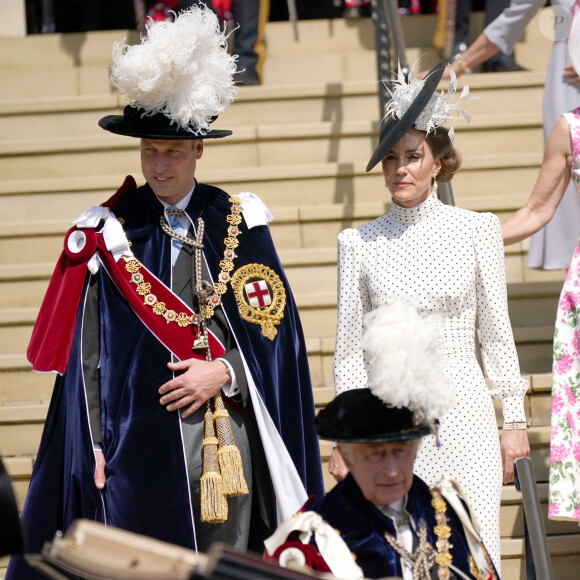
pixel 406 369
pixel 439 110
pixel 181 69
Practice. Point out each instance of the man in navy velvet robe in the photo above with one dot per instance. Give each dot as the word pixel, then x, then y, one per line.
pixel 382 520
pixel 124 436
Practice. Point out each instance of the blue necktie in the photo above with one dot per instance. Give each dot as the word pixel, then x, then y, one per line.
pixel 176 226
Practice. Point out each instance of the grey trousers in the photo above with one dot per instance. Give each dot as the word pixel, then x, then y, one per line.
pixel 235 531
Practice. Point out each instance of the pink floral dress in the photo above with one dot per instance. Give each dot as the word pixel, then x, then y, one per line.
pixel 564 497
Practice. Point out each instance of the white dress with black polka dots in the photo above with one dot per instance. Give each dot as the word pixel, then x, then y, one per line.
pixel 447 262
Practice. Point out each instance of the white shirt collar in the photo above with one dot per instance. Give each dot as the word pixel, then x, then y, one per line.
pixel 182 204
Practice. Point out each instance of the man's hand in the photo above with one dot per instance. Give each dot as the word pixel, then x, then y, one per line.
pixel 514 444
pixel 200 381
pixel 336 465
pixel 100 478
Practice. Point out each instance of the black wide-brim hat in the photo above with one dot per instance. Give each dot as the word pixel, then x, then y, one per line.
pixel 358 416
pixel 136 122
pixel 394 129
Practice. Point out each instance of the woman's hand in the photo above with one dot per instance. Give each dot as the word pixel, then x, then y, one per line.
pixel 514 444
pixel 571 76
pixel 336 465
pixel 446 74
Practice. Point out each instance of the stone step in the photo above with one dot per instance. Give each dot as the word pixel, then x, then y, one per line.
pixel 564 555
pixel 22 439
pixel 293 227
pixel 57 64
pixel 15 416
pixel 21 427
pixel 344 35
pixel 328 51
pixel 18 385
pixel 50 117
pixel 259 146
pixel 302 184
pixel 362 65
pixel 307 220
pixel 534 303
pixel 318 317
pixel 311 271
pixel 313 228
pixel 323 36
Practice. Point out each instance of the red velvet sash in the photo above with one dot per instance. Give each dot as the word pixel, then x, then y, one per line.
pixel 53 333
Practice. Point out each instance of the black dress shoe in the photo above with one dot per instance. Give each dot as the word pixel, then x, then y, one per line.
pixel 501 62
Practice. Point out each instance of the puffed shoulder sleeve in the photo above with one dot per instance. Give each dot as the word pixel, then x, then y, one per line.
pixel 352 303
pixel 499 350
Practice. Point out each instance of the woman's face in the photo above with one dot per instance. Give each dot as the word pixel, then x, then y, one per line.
pixel 409 168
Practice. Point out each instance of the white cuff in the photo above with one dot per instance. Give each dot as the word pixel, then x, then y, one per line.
pixel 230 389
pixel 513 409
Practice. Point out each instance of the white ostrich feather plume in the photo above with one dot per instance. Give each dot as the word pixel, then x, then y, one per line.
pixel 406 367
pixel 439 110
pixel 181 69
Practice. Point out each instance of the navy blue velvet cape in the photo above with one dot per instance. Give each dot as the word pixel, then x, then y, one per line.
pixel 362 526
pixel 147 490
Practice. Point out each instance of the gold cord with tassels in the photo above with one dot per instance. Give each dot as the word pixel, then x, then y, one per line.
pixel 223 473
pixel 214 505
pixel 229 456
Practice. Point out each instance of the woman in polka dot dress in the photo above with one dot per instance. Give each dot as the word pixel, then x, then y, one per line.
pixel 449 264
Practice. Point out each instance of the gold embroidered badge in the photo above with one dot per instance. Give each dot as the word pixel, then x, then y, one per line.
pixel 260 296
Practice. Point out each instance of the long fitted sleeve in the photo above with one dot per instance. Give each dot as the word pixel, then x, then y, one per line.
pixel 350 367
pixel 353 303
pixel 499 351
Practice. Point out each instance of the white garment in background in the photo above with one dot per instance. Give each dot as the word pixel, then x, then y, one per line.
pixel 552 247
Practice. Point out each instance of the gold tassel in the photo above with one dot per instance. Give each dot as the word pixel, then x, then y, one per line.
pixel 214 505
pixel 229 456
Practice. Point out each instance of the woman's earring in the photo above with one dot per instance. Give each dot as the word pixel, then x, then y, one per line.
pixel 435 186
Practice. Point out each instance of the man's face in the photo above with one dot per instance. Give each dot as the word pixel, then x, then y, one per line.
pixel 169 166
pixel 383 471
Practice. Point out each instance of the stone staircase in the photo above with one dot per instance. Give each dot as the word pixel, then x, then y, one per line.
pixel 301 141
